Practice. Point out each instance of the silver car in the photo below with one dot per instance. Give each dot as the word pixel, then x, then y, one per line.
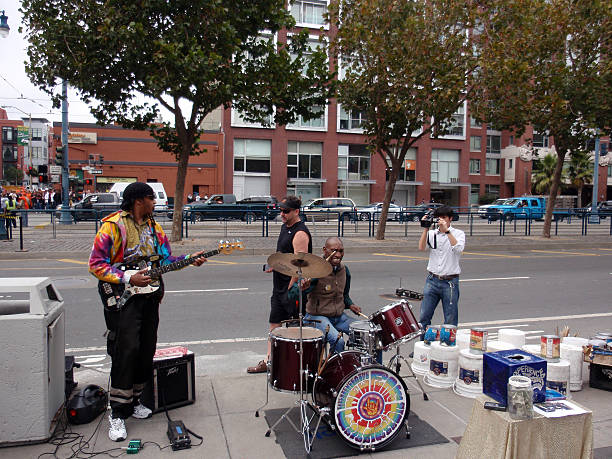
pixel 374 211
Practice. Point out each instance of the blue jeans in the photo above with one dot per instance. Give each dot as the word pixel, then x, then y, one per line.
pixel 437 290
pixel 336 325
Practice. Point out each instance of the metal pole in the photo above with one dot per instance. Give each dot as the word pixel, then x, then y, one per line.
pixel 65 215
pixel 594 217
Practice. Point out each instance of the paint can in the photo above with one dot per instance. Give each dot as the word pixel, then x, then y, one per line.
pixel 431 334
pixel 550 347
pixel 420 360
pixel 478 340
pixel 448 335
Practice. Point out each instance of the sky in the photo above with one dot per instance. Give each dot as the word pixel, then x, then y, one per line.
pixel 18 96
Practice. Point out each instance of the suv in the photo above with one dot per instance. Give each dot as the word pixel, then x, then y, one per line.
pixel 323 205
pixel 93 206
pixel 270 202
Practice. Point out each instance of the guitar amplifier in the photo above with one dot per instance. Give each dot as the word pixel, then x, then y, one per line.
pixel 172 384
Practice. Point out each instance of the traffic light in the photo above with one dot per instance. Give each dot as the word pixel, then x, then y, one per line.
pixel 59 155
pixel 88 181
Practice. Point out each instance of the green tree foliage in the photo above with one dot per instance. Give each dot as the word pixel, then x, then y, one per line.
pixel 13 175
pixel 580 171
pixel 542 174
pixel 549 65
pixel 188 56
pixel 404 66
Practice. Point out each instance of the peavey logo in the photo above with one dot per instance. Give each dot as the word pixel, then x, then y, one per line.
pixel 536 376
pixel 172 371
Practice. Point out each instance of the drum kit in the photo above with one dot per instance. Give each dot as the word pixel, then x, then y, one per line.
pixel 365 402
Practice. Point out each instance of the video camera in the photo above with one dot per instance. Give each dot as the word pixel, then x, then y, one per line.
pixel 428 220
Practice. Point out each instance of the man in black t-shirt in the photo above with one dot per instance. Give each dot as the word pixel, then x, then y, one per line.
pixel 294 237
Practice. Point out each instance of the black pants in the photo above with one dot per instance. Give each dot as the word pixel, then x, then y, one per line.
pixel 131 344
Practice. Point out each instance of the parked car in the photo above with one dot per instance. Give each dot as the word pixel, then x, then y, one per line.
pixel 93 206
pixel 374 211
pixel 604 209
pixel 332 206
pixel 414 214
pixel 270 202
pixel 161 197
pixel 224 207
pixel 482 210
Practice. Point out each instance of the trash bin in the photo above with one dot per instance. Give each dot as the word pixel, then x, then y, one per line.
pixel 32 324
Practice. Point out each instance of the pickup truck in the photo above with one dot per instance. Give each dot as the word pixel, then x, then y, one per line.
pixel 94 206
pixel 523 207
pixel 225 206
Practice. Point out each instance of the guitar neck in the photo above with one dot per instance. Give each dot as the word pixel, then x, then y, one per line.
pixel 157 272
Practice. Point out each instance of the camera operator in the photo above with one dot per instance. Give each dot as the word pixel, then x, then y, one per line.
pixel 445 247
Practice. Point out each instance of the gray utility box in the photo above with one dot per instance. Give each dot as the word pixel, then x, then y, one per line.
pixel 32 324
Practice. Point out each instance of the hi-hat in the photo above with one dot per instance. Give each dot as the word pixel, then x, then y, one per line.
pixel 291 263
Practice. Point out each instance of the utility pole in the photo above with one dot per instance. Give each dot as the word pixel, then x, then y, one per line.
pixel 65 217
pixel 594 217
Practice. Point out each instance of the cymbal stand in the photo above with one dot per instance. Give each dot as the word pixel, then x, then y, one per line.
pixel 396 360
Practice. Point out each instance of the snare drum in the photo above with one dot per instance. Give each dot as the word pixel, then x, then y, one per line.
pixel 363 335
pixel 397 323
pixel 285 358
pixel 368 403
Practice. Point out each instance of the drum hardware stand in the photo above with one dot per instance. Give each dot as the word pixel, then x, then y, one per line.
pixel 396 360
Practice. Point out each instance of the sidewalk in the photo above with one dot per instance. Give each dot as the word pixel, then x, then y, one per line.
pixel 224 414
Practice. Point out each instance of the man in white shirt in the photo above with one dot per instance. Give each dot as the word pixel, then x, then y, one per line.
pixel 445 247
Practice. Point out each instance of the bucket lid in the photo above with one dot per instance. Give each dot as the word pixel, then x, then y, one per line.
pixel 519 381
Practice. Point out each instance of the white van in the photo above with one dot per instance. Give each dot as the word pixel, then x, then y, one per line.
pixel 161 198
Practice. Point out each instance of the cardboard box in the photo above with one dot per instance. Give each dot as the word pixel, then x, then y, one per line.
pixel 499 366
pixel 600 376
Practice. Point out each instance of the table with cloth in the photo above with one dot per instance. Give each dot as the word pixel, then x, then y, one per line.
pixel 493 434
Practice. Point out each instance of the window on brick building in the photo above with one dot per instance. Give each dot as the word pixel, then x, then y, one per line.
pixel 304 159
pixel 474 166
pixel 493 143
pixel 475 143
pixel 252 155
pixel 309 11
pixel 492 166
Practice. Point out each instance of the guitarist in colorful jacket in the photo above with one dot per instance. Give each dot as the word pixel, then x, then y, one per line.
pixel 125 237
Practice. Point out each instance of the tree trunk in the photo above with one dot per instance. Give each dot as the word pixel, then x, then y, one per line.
pixel 554 191
pixel 382 224
pixel 179 191
pixel 579 196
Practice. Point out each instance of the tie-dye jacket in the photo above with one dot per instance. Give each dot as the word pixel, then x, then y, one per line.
pixel 109 246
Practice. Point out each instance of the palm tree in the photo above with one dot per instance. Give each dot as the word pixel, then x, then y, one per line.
pixel 542 174
pixel 580 172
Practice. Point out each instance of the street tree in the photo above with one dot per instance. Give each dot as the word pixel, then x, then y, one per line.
pixel 580 171
pixel 187 56
pixel 403 67
pixel 542 174
pixel 548 65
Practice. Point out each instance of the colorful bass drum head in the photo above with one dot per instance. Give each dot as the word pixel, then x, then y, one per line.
pixel 370 408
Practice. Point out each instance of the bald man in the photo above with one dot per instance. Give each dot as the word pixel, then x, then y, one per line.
pixel 328 297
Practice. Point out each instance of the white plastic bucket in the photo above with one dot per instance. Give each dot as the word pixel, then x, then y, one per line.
pixel 496 345
pixel 512 336
pixel 420 361
pixel 443 365
pixel 463 338
pixel 558 376
pixel 534 349
pixel 469 380
pixel 573 354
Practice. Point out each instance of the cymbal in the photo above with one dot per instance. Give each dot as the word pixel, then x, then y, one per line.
pixel 290 263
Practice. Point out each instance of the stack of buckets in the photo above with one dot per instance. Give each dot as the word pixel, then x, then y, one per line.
pixel 443 355
pixel 563 362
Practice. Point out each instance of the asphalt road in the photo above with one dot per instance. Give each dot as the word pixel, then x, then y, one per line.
pixel 221 309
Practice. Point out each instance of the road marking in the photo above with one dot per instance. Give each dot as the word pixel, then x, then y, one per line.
pixel 222 262
pixel 492 255
pixel 42 225
pixel 78 262
pixel 604 249
pixel 180 343
pixel 209 290
pixel 494 278
pixel 514 326
pixel 399 256
pixel 537 319
pixel 567 253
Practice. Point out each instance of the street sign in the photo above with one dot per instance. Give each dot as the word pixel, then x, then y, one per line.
pixel 23 135
pixel 55 178
pixel 95 171
pixel 86 168
pixel 55 169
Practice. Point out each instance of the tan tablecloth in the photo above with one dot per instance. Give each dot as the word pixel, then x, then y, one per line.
pixel 492 434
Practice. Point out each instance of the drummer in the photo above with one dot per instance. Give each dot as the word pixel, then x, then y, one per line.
pixel 328 297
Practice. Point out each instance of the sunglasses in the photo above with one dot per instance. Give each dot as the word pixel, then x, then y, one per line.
pixel 286 211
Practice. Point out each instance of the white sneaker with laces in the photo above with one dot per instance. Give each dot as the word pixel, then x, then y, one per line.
pixel 116 430
pixel 142 412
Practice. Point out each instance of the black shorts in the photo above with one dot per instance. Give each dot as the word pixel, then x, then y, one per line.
pixel 282 308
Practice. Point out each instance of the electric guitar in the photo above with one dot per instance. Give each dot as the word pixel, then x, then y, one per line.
pixel 114 296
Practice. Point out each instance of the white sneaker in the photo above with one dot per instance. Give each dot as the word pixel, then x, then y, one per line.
pixel 116 430
pixel 142 412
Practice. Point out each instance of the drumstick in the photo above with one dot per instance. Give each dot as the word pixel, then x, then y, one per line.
pixel 330 255
pixel 324 351
pixel 363 315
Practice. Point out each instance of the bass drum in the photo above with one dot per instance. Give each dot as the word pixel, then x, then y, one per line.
pixel 368 404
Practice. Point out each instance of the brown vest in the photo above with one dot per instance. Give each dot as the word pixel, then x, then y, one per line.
pixel 327 297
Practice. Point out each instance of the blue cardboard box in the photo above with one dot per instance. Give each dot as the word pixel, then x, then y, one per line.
pixel 497 367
